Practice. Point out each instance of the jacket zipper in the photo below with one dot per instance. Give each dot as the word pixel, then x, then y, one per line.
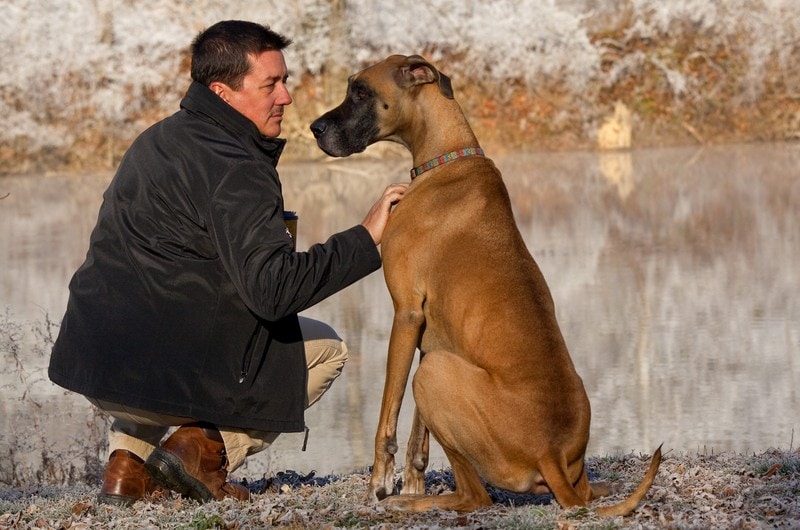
pixel 248 355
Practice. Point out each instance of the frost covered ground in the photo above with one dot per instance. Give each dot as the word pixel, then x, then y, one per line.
pixel 80 78
pixel 700 491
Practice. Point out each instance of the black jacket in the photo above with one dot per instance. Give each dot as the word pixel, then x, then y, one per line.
pixel 187 301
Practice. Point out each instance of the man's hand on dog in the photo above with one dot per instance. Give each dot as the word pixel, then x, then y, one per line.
pixel 378 215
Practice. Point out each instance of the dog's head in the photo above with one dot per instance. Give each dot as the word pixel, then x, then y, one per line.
pixel 376 105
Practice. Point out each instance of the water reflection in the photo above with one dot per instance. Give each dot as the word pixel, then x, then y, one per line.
pixel 673 273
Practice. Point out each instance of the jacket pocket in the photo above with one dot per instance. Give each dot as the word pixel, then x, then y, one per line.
pixel 256 343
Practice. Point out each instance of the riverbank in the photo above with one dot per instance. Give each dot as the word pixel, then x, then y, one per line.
pixel 691 491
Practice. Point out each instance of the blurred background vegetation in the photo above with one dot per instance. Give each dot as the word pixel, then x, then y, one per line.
pixel 80 79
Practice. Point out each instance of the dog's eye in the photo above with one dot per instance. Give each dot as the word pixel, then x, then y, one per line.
pixel 359 93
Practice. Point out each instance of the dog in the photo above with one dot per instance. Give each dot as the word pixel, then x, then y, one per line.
pixel 495 384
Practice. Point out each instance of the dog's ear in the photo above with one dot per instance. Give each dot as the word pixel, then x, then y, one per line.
pixel 417 71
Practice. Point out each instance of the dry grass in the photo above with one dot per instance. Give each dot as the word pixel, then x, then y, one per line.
pixel 691 491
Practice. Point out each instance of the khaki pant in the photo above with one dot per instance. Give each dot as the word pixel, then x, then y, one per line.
pixel 140 431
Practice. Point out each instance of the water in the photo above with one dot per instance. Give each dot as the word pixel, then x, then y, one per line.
pixel 674 273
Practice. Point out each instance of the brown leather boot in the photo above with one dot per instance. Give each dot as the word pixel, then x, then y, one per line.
pixel 125 480
pixel 192 462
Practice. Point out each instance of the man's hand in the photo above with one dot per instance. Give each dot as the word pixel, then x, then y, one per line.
pixel 378 215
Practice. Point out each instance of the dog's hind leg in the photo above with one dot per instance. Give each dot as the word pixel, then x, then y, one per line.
pixel 553 469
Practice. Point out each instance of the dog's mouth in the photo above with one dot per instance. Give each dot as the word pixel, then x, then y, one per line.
pixel 332 150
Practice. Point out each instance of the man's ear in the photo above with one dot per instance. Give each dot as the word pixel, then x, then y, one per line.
pixel 220 89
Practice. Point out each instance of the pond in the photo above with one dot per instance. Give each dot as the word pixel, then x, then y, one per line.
pixel 674 273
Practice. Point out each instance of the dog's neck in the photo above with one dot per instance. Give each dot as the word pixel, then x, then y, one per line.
pixel 440 135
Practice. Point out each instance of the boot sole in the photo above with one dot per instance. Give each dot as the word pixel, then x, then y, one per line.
pixel 167 469
pixel 116 500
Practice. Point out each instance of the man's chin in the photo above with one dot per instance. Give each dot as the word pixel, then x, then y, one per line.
pixel 271 132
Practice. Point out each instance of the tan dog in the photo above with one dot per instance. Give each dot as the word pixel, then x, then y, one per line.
pixel 495 385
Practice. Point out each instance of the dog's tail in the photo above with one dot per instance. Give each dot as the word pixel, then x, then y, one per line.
pixel 628 505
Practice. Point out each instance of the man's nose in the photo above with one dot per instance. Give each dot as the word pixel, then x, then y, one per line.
pixel 285 98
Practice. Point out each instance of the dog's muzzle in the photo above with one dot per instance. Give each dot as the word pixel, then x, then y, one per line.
pixel 321 128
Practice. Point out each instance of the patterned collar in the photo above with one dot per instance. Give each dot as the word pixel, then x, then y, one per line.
pixel 445 158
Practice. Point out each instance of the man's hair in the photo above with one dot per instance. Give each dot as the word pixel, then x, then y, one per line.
pixel 222 52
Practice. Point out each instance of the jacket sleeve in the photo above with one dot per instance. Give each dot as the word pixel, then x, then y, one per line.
pixel 246 224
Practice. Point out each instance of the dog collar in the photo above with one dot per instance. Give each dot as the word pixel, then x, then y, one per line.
pixel 445 158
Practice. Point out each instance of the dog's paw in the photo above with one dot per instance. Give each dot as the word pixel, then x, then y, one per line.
pixel 413 483
pixel 395 504
pixel 381 483
pixel 375 495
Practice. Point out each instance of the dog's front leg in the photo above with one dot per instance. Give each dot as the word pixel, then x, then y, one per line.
pixel 402 346
pixel 416 456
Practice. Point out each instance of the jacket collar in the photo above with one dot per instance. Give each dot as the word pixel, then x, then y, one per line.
pixel 201 100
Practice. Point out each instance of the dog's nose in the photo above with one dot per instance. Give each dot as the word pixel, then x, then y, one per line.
pixel 318 127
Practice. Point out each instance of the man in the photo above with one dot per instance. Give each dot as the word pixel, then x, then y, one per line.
pixel 184 312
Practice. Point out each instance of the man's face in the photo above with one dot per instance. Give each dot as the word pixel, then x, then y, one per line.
pixel 263 93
